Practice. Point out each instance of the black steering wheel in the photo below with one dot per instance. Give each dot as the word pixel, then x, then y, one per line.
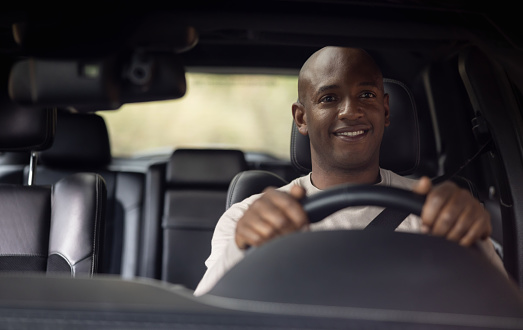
pixel 324 203
pixel 370 269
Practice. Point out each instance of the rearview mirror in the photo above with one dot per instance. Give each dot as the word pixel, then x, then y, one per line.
pixel 97 84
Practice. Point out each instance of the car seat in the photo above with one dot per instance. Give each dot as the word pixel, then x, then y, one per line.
pixel 82 144
pixel 196 184
pixel 54 228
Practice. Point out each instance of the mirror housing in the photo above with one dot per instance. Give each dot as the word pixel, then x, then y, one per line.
pixel 97 84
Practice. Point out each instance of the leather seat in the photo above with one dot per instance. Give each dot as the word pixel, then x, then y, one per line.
pixel 400 148
pixel 82 145
pixel 55 228
pixel 195 196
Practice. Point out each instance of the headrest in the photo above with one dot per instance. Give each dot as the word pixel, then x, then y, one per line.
pixel 400 147
pixel 204 167
pixel 81 141
pixel 25 128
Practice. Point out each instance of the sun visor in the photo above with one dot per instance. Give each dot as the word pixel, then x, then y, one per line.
pixel 97 84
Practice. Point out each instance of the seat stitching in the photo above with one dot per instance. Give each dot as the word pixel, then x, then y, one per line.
pixel 95 246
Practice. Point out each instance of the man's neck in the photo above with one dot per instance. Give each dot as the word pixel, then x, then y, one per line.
pixel 324 179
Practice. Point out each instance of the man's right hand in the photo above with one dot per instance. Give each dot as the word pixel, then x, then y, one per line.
pixel 274 214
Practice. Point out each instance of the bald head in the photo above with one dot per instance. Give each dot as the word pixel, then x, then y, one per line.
pixel 330 60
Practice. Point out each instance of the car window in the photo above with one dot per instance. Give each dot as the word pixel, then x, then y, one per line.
pixel 251 112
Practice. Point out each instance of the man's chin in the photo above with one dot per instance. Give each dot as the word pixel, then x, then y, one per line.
pixel 353 164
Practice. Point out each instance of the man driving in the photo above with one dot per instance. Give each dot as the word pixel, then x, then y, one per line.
pixel 344 110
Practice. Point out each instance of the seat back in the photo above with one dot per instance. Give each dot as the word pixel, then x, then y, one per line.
pixel 47 228
pixel 195 196
pixel 248 183
pixel 82 144
pixel 53 229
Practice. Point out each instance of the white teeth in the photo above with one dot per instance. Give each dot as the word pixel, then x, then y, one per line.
pixel 350 133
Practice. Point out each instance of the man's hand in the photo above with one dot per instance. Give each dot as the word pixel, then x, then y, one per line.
pixel 274 214
pixel 452 212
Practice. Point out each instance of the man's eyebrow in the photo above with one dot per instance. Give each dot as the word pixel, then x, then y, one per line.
pixel 325 88
pixel 334 86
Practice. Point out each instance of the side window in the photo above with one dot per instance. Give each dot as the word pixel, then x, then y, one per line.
pixel 250 112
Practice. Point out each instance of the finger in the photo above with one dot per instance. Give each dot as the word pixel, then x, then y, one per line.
pixel 479 230
pixel 289 206
pixel 449 214
pixel 434 203
pixel 251 230
pixel 425 229
pixel 261 222
pixel 463 224
pixel 422 186
pixel 273 218
pixel 297 192
pixel 274 214
pixel 255 233
pixel 246 237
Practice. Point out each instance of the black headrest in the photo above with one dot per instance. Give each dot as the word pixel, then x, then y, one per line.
pixel 400 147
pixel 204 167
pixel 81 141
pixel 25 128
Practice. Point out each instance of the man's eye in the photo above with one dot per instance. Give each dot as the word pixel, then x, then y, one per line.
pixel 367 95
pixel 327 99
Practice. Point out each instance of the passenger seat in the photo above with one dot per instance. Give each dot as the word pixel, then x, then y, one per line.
pixel 53 228
pixel 195 194
pixel 82 145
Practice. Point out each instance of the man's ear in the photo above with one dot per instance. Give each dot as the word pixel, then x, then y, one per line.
pixel 300 118
pixel 387 109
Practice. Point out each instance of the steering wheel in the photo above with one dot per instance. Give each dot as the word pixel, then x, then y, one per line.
pixel 324 203
pixel 372 269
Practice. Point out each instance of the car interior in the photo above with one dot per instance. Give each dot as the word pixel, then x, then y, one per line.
pixel 92 239
pixel 53 228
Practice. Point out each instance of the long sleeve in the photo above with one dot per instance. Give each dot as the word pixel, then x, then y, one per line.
pixel 224 253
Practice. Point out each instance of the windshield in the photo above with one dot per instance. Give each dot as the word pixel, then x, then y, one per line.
pixel 248 112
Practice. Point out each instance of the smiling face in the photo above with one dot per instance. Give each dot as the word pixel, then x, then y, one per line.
pixel 343 109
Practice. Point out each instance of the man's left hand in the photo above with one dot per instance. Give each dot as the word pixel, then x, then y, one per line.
pixel 453 213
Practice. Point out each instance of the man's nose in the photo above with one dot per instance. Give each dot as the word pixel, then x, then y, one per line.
pixel 349 110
